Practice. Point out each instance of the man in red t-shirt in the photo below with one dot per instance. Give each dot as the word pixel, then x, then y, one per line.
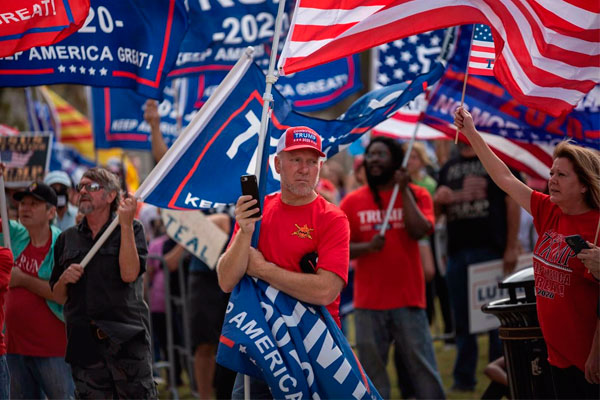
pixel 35 332
pixel 389 286
pixel 300 219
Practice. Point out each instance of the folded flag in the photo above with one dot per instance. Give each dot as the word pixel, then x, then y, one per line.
pixel 295 347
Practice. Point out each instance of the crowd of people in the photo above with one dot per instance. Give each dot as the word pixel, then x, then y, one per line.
pixel 94 328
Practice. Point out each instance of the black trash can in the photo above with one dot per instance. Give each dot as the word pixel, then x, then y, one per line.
pixel 525 351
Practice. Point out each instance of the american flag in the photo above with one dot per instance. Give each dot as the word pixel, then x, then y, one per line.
pixel 481 59
pixel 548 53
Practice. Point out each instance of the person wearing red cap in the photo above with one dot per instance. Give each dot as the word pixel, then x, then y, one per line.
pixel 305 221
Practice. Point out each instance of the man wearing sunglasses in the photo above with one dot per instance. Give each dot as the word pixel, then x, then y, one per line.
pixel 108 341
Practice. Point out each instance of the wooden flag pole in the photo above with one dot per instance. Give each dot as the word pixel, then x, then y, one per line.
pixel 464 89
pixel 4 213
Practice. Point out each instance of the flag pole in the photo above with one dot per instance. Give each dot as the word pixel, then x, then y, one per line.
pixel 388 212
pixel 4 213
pixel 444 55
pixel 464 89
pixel 264 120
pixel 267 96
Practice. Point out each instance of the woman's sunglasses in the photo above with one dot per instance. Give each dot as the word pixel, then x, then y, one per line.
pixel 90 187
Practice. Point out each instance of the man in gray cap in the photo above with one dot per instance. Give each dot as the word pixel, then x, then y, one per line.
pixel 65 211
pixel 35 332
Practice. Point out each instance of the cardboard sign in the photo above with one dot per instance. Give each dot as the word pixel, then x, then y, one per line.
pixel 483 289
pixel 26 158
pixel 196 233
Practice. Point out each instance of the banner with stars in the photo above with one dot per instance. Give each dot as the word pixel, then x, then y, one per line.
pixel 225 133
pixel 128 43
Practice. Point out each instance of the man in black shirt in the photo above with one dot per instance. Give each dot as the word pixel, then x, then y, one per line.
pixel 108 341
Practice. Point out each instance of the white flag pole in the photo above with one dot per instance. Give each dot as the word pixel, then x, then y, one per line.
pixel 388 212
pixel 184 140
pixel 267 96
pixel 444 54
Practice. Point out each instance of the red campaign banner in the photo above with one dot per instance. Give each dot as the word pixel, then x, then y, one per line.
pixel 29 23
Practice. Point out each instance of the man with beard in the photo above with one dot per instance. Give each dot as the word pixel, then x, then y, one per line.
pixel 389 286
pixel 295 222
pixel 108 341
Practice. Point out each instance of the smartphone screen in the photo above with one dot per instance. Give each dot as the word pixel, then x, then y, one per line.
pixel 250 187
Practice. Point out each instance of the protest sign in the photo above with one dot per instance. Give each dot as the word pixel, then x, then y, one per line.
pixel 26 158
pixel 196 233
pixel 483 289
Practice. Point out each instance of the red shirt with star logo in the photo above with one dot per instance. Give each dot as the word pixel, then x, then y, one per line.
pixel 287 233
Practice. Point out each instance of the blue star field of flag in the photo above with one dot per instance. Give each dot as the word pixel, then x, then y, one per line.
pixel 404 59
pixel 483 33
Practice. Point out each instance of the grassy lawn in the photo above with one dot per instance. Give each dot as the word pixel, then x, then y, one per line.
pixel 445 355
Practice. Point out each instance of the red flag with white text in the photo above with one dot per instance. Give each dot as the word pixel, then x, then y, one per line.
pixel 30 23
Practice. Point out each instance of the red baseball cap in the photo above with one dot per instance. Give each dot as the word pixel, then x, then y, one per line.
pixel 300 137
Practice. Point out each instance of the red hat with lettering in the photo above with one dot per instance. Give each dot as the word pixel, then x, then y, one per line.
pixel 300 137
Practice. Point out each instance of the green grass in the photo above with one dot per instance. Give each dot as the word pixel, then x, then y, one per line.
pixel 444 354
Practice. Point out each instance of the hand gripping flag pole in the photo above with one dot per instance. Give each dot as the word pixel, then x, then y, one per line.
pixel 172 156
pixel 444 55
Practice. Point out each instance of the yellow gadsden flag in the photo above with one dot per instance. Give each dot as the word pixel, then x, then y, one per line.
pixel 75 130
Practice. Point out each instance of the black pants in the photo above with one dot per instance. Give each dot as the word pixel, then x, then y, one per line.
pixel 570 383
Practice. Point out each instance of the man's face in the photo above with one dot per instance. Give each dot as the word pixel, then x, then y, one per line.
pixel 379 164
pixel 299 170
pixel 34 212
pixel 93 200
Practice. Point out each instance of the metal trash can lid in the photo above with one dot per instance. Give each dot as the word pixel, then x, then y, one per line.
pixel 523 278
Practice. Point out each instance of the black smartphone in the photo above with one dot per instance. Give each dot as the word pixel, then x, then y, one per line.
pixel 576 243
pixel 250 187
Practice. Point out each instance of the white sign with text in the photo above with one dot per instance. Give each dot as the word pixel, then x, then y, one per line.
pixel 194 231
pixel 483 289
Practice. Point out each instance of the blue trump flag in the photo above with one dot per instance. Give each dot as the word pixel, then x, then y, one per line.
pixel 203 166
pixel 297 348
pixel 128 43
pixel 119 114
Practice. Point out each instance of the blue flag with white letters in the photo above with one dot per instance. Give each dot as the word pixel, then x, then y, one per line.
pixel 202 168
pixel 127 43
pixel 295 347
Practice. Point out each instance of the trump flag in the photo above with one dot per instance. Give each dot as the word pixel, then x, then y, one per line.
pixel 202 168
pixel 295 347
pixel 129 43
pixel 28 23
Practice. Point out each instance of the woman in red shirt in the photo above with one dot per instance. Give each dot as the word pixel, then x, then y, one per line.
pixel 566 283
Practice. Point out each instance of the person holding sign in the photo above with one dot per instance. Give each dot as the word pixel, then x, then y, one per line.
pixel 389 285
pixel 567 293
pixel 108 340
pixel 304 221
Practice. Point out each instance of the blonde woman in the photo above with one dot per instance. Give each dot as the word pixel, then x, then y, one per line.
pixel 566 290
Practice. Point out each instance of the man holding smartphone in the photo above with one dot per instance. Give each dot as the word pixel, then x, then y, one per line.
pixel 305 221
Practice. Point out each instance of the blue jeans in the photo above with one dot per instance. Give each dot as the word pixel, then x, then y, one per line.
pixel 4 378
pixel 466 343
pixel 39 377
pixel 258 389
pixel 408 328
